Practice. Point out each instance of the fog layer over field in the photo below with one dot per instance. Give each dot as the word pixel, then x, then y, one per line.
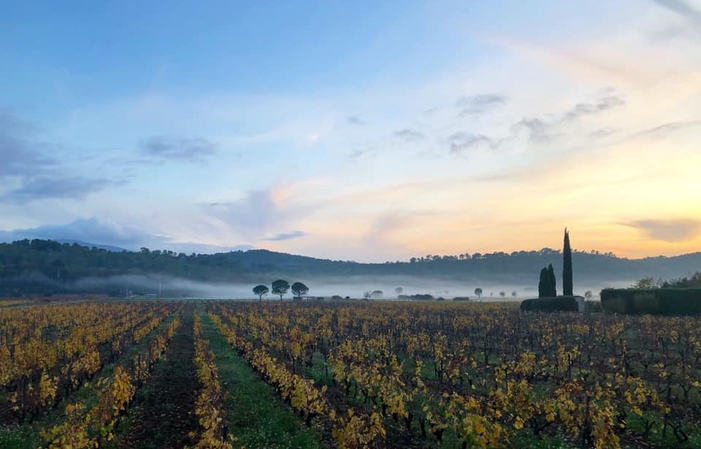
pixel 328 286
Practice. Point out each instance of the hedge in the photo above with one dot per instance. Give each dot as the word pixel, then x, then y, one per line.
pixel 560 303
pixel 657 301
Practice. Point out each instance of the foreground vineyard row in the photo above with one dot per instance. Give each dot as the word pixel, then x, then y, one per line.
pixel 85 427
pixel 475 375
pixel 49 351
pixel 210 403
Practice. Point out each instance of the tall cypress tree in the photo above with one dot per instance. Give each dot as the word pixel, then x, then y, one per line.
pixel 544 284
pixel 567 286
pixel 552 291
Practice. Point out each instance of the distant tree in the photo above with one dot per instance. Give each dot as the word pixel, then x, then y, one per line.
pixel 260 290
pixel 280 287
pixel 502 294
pixel 567 286
pixel 544 284
pixel 514 294
pixel 553 282
pixel 299 289
pixel 588 295
pixel 377 294
pixel 645 283
pixel 367 295
pixel 478 292
pixel 398 291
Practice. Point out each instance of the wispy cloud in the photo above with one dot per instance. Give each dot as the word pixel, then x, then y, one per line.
pixel 409 135
pixel 682 8
pixel 663 131
pixel 251 216
pixel 285 236
pixel 353 120
pixel 538 130
pixel 39 176
pixel 19 155
pixel 583 109
pixel 603 133
pixel 669 230
pixel 462 142
pixel 179 148
pixel 479 104
pixel 45 187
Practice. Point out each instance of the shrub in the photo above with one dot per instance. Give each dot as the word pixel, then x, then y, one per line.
pixel 559 303
pixel 593 306
pixel 422 297
pixel 657 301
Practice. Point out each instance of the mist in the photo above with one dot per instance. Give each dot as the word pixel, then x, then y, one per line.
pixel 353 286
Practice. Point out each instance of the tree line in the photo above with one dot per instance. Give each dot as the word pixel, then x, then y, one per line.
pixel 46 266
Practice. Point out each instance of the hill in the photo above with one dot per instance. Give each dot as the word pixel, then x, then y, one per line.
pixel 46 266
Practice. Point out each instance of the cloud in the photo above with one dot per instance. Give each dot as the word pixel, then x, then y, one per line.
pixel 602 105
pixel 682 8
pixel 252 216
pixel 602 133
pixel 668 230
pixel 538 130
pixel 102 231
pixel 39 176
pixel 47 187
pixel 479 104
pixel 353 120
pixel 286 236
pixel 461 142
pixel 663 131
pixel 384 227
pixel 93 230
pixel 179 148
pixel 409 135
pixel 18 155
pixel 357 154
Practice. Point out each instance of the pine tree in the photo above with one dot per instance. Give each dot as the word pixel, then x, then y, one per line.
pixel 544 284
pixel 567 286
pixel 552 292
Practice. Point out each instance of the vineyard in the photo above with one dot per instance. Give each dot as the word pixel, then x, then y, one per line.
pixel 225 374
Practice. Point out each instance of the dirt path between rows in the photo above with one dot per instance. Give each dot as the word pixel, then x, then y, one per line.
pixel 163 413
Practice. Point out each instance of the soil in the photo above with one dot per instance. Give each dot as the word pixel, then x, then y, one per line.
pixel 163 414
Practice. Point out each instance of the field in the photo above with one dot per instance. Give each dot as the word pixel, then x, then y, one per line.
pixel 360 374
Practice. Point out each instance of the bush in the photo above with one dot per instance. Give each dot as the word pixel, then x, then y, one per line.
pixel 656 301
pixel 560 303
pixel 422 297
pixel 461 298
pixel 592 306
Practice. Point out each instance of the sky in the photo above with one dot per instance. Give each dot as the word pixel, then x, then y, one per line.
pixel 363 130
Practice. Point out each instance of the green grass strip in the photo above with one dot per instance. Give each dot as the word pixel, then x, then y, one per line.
pixel 257 417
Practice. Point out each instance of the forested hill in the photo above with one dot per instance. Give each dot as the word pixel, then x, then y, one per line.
pixel 48 266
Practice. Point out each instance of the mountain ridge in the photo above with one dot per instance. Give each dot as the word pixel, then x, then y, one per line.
pixel 47 266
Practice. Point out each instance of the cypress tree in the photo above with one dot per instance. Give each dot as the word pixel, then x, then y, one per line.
pixel 567 286
pixel 544 284
pixel 552 292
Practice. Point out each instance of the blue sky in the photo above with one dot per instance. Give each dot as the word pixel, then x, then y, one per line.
pixel 353 130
